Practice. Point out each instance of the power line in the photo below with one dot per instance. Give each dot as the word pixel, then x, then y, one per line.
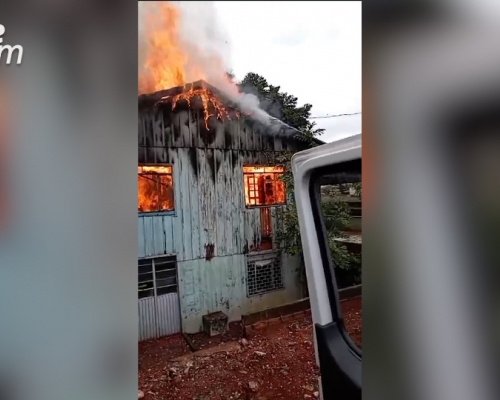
pixel 335 115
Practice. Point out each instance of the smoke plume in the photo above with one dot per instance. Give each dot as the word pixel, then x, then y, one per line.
pixel 201 41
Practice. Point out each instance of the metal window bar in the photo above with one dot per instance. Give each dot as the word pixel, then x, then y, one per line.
pixel 253 190
pixel 264 274
pixel 251 182
pixel 145 279
pixel 163 276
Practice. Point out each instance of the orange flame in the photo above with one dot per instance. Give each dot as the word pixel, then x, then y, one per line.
pixel 165 65
pixel 168 64
pixel 155 190
pixel 263 185
pixel 207 99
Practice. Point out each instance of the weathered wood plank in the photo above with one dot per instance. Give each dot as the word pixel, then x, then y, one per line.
pixel 235 134
pixel 185 209
pixel 220 245
pixel 219 133
pixel 202 199
pixel 250 137
pixel 176 221
pixel 228 202
pixel 149 235
pixel 157 129
pixel 194 200
pixel 148 134
pixel 208 183
pixel 159 235
pixel 228 134
pixel 168 131
pixel 267 142
pixel 237 204
pixel 177 138
pixel 210 133
pixel 242 133
pixel 242 203
pixel 257 139
pixel 257 226
pixel 193 128
pixel 142 131
pixel 184 128
pixel 168 225
pixel 249 221
pixel 142 155
pixel 141 238
pixel 247 158
pixel 211 221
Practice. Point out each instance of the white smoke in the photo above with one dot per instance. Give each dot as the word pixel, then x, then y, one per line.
pixel 207 44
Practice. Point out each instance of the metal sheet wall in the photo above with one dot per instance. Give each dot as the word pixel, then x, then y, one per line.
pixel 168 314
pixel 147 319
pixel 159 318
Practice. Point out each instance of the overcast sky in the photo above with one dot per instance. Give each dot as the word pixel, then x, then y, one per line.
pixel 311 49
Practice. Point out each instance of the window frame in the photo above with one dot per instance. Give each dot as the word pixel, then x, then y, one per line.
pixel 264 256
pixel 169 258
pixel 253 206
pixel 172 212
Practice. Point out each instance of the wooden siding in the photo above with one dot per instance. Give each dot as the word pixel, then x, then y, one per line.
pixel 210 229
pixel 161 129
pixel 220 285
pixel 208 182
pixel 209 209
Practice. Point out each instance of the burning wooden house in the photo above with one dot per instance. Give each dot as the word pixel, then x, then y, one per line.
pixel 208 188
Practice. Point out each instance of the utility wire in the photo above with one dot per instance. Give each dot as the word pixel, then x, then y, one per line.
pixel 335 115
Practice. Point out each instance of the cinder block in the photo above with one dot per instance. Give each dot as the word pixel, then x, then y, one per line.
pixel 215 323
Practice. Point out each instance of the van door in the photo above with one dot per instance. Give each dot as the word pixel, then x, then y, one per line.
pixel 337 355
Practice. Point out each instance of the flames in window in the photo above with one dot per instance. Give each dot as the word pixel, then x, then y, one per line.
pixel 263 185
pixel 155 190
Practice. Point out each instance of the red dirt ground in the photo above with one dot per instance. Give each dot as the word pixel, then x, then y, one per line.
pixel 276 363
pixel 351 310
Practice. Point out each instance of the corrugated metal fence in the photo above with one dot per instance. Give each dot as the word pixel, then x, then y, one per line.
pixel 159 316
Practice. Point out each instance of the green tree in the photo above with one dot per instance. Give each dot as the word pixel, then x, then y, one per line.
pixel 336 212
pixel 279 104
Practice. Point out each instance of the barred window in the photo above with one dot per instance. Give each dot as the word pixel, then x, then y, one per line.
pixel 157 275
pixel 264 274
pixel 263 186
pixel 155 188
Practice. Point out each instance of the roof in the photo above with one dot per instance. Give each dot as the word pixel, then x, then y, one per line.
pixel 273 127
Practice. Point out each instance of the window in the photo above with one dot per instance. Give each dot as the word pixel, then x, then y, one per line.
pixel 263 186
pixel 155 190
pixel 264 274
pixel 157 275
